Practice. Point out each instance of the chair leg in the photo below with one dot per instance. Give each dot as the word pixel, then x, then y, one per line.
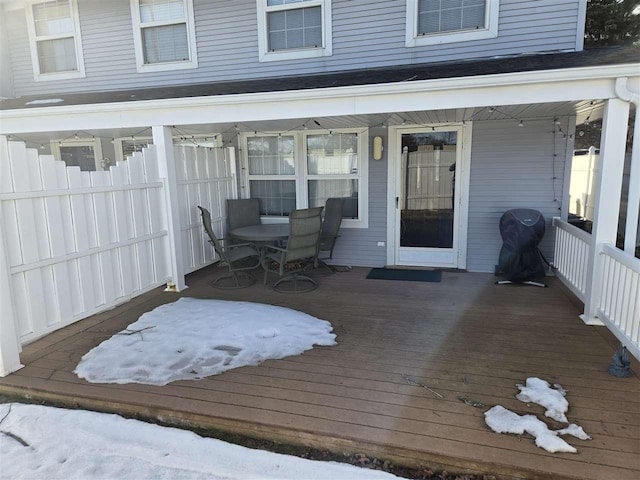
pixel 240 280
pixel 295 278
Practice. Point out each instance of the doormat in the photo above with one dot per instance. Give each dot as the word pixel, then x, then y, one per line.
pixel 405 275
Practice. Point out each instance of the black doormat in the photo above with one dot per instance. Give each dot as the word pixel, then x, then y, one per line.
pixel 406 275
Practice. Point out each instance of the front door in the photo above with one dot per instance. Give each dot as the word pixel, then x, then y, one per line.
pixel 430 166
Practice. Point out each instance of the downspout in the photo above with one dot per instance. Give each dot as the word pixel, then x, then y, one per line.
pixel 633 203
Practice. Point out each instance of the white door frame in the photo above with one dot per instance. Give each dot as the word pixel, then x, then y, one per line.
pixel 463 171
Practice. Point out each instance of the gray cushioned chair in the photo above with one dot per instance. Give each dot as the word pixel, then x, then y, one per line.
pixel 239 258
pixel 328 235
pixel 302 247
pixel 242 213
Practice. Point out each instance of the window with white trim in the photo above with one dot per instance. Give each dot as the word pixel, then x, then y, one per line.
pixel 432 22
pixel 303 169
pixel 164 35
pixel 54 34
pixel 290 29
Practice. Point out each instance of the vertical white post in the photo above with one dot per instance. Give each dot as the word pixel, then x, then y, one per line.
pixel 163 141
pixel 633 204
pixel 568 164
pixel 607 202
pixel 9 340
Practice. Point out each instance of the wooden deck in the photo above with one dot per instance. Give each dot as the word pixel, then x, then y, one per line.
pixel 464 336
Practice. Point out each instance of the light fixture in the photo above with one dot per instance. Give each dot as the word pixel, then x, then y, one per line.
pixel 521 123
pixel 377 148
pixel 75 135
pixel 42 146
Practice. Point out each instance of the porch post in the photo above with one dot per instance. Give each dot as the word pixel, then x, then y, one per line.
pixel 163 141
pixel 9 340
pixel 633 203
pixel 607 200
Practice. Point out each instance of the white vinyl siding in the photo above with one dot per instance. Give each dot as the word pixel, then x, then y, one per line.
pixel 289 29
pixel 512 167
pixel 366 34
pixel 164 34
pixel 54 35
pixel 431 22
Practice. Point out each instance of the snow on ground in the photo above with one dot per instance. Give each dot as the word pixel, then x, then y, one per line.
pixel 65 444
pixel 536 390
pixel 45 101
pixel 501 420
pixel 194 338
pixel 540 392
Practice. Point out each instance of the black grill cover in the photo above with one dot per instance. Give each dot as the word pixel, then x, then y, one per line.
pixel 522 230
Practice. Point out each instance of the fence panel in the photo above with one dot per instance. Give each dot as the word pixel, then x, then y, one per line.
pixel 79 242
pixel 206 177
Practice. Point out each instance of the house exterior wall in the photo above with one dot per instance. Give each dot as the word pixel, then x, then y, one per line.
pixel 6 76
pixel 359 246
pixel 366 34
pixel 512 167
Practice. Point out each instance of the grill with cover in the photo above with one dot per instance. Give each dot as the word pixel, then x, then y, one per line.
pixel 520 258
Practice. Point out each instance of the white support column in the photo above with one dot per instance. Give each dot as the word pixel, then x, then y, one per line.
pixel 633 204
pixel 568 163
pixel 607 201
pixel 163 141
pixel 9 340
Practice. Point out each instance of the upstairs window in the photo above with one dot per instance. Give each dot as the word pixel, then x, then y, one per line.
pixel 433 22
pixel 54 34
pixel 290 29
pixel 164 34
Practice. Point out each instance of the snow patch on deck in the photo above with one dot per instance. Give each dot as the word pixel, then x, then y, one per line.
pixel 540 392
pixel 194 338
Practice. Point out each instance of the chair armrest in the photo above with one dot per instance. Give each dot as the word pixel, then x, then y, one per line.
pixel 237 245
pixel 274 248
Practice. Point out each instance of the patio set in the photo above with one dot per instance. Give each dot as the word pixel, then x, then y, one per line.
pixel 290 250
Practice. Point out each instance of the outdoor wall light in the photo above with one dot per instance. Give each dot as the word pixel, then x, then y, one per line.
pixel 377 148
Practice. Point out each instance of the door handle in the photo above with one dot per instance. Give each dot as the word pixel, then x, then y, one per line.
pixel 397 201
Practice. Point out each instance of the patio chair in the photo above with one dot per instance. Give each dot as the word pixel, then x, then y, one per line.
pixel 302 247
pixel 242 213
pixel 328 236
pixel 235 256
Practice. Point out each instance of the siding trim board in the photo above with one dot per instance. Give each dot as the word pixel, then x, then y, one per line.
pixel 507 89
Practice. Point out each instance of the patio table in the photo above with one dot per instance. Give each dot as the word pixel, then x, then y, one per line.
pixel 265 232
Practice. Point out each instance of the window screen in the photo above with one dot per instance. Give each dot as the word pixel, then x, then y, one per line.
pixel 294 28
pixel 435 16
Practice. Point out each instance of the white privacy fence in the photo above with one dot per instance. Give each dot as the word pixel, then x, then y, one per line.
pixel 571 256
pixel 615 290
pixel 78 242
pixel 427 182
pixel 205 177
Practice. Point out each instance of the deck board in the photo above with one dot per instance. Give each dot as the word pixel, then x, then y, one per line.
pixel 464 336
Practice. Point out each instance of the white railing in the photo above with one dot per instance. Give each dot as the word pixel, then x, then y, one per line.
pixel 571 256
pixel 619 305
pixel 616 298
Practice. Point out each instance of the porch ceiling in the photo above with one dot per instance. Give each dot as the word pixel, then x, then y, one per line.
pixel 585 109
